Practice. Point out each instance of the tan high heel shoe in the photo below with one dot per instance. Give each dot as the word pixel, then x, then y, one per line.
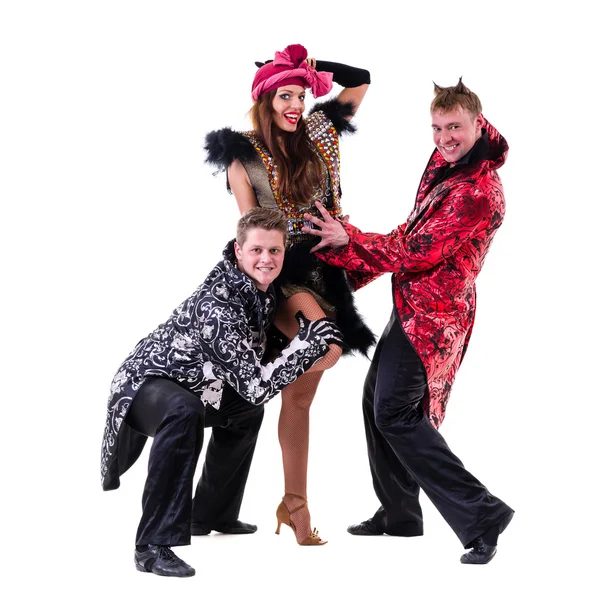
pixel 284 516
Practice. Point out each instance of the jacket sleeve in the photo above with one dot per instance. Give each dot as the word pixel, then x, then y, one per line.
pixel 226 347
pixel 462 214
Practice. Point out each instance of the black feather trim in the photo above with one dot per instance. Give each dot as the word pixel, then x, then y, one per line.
pixel 357 334
pixel 226 145
pixel 296 266
pixel 338 113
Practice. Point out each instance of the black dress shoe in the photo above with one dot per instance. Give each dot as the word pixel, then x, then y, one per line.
pixel 480 554
pixel 373 527
pixel 236 527
pixel 368 527
pixel 161 560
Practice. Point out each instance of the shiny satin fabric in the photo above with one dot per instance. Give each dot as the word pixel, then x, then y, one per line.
pixel 176 419
pixel 406 453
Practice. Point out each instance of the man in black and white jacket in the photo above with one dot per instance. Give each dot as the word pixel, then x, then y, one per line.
pixel 206 367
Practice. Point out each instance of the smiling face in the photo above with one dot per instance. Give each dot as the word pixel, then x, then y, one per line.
pixel 261 256
pixel 455 132
pixel 288 106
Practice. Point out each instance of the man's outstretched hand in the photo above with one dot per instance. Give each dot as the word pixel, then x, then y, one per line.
pixel 324 328
pixel 331 232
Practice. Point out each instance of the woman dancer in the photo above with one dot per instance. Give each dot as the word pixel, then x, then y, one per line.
pixel 287 163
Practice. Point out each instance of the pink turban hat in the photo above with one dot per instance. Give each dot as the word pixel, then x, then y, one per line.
pixel 289 68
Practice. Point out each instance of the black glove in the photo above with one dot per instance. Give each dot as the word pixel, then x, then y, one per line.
pixel 344 75
pixel 323 329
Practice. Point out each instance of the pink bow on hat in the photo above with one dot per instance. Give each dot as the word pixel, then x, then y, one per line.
pixel 293 56
pixel 289 66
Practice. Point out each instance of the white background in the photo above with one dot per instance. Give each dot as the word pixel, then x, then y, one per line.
pixel 110 218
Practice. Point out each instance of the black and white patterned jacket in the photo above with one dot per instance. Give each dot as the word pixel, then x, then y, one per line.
pixel 215 338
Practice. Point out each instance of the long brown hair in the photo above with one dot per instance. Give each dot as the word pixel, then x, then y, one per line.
pixel 298 166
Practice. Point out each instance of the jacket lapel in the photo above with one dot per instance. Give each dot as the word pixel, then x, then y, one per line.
pixel 427 192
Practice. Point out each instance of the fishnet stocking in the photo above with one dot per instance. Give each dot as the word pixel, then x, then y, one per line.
pixel 296 400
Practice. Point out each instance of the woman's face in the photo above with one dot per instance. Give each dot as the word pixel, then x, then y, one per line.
pixel 288 106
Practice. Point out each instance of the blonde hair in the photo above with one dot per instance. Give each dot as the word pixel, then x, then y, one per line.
pixel 260 218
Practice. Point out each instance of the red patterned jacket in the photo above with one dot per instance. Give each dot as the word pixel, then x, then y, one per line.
pixel 435 257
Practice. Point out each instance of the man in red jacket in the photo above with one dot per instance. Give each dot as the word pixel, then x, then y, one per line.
pixel 434 257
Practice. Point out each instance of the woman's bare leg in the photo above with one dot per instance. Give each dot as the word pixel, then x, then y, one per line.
pixel 295 408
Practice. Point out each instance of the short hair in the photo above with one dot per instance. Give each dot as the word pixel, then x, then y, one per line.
pixel 448 98
pixel 261 218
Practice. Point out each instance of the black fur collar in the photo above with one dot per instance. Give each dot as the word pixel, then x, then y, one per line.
pixel 338 113
pixel 225 145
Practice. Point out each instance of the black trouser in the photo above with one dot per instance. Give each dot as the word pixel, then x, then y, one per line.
pixel 176 418
pixel 407 453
